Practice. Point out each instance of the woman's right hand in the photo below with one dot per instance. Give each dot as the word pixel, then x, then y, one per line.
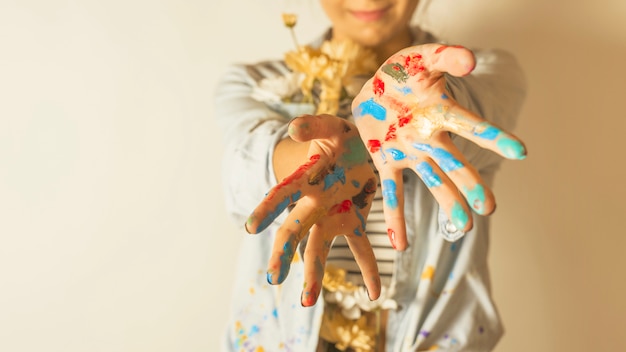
pixel 332 194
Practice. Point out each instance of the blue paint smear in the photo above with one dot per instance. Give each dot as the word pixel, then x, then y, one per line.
pixel 253 330
pixel 275 313
pixel 370 107
pixel 489 132
pixel 389 194
pixel 444 96
pixel 356 184
pixel 430 178
pixel 280 207
pixel 445 159
pixel 396 154
pixel 405 90
pixel 338 175
pixel 362 219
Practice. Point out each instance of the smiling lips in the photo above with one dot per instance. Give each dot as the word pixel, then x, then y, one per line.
pixel 369 16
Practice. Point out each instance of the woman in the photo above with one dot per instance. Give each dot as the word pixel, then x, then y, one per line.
pixel 419 119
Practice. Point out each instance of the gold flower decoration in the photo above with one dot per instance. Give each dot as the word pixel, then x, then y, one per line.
pixel 333 66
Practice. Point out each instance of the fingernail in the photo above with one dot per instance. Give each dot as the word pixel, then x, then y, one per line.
pixel 392 237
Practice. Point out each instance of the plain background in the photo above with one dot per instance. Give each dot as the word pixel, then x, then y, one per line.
pixel 112 231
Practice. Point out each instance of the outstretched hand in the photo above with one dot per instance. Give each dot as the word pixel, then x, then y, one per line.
pixel 405 116
pixel 332 194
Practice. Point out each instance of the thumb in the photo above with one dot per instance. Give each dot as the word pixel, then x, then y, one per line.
pixel 308 127
pixel 455 60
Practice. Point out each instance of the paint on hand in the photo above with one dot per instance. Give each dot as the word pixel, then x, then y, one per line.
pixel 511 148
pixel 370 107
pixel 486 131
pixel 392 237
pixel 285 262
pixel 362 220
pixel 476 198
pixel 337 175
pixel 391 133
pixel 280 207
pixel 396 71
pixel 396 154
pixel 340 208
pixel 378 86
pixel 373 145
pixel 389 193
pixel 444 159
pixel 428 175
pixel 414 64
pixel 459 216
pixel 360 200
pixel 355 154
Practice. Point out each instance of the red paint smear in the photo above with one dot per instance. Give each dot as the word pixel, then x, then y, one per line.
pixel 379 86
pixel 404 112
pixel 391 132
pixel 373 145
pixel 310 297
pixel 444 47
pixel 414 64
pixel 403 120
pixel 343 207
pixel 392 237
pixel 300 171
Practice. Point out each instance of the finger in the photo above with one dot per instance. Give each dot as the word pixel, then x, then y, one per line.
pixel 466 178
pixel 295 227
pixel 453 59
pixel 314 261
pixel 486 134
pixel 393 206
pixel 365 259
pixel 308 127
pixel 287 192
pixel 445 193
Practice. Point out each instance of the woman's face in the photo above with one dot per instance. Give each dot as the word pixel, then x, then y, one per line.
pixel 370 23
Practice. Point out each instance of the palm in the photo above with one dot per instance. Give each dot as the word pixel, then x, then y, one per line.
pixel 405 114
pixel 331 194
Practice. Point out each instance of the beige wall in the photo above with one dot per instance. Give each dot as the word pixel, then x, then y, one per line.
pixel 112 233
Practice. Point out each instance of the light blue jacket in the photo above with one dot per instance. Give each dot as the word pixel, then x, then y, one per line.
pixel 453 311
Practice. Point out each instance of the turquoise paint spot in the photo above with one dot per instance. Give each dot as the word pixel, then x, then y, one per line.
pixel 338 175
pixel 486 131
pixel 356 153
pixel 476 198
pixel 356 184
pixel 253 330
pixel 445 159
pixel 511 148
pixel 389 194
pixel 297 221
pixel 396 154
pixel 280 207
pixel 370 107
pixel 459 216
pixel 444 96
pixel 275 313
pixel 430 178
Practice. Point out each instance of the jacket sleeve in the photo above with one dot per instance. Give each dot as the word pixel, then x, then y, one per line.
pixel 495 90
pixel 250 131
